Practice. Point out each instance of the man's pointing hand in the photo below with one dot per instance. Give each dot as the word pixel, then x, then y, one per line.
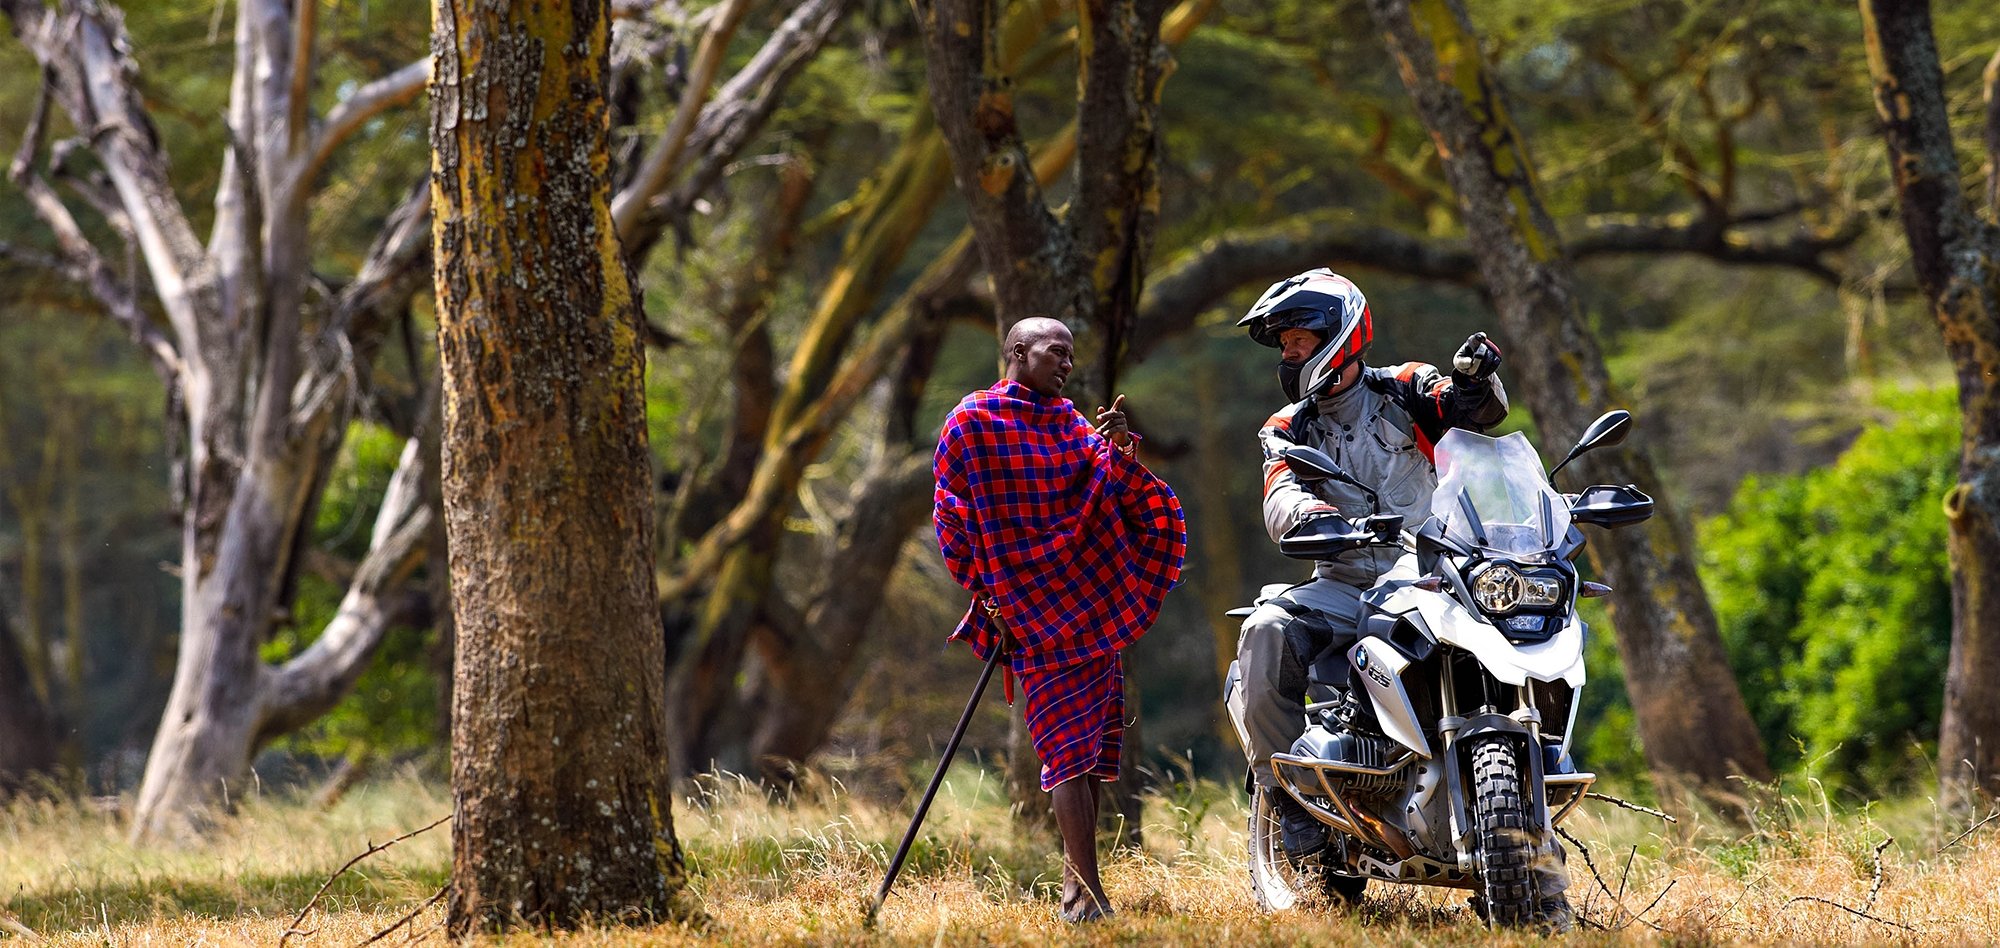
pixel 1111 422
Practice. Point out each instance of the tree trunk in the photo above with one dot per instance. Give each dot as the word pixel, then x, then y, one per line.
pixel 1220 581
pixel 259 418
pixel 559 774
pixel 1956 255
pixel 1692 719
pixel 28 744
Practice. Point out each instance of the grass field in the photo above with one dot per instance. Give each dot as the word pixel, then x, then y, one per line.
pixel 797 872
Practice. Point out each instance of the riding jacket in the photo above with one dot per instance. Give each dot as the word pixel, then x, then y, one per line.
pixel 1381 430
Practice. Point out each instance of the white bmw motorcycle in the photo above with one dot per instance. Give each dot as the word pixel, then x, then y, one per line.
pixel 1437 747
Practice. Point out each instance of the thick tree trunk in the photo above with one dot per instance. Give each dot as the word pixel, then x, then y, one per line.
pixel 1956 255
pixel 562 804
pixel 811 664
pixel 1692 719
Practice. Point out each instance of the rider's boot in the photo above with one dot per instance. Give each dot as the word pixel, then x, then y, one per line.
pixel 1300 834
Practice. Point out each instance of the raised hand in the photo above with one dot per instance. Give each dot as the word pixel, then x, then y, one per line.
pixel 1111 422
pixel 1479 358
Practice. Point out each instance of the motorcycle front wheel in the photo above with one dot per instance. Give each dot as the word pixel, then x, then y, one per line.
pixel 1278 884
pixel 1506 843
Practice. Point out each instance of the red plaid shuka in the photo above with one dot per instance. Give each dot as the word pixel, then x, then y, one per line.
pixel 1076 543
pixel 1076 719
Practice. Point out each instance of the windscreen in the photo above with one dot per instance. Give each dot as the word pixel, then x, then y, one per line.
pixel 1492 494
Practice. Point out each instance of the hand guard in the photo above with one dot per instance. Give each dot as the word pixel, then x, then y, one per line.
pixel 1478 359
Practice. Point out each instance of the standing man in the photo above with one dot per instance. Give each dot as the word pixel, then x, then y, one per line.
pixel 1068 545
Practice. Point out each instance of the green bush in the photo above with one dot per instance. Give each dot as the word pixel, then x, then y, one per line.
pixel 1833 593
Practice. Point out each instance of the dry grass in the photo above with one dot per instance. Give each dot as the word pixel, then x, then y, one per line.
pixel 798 872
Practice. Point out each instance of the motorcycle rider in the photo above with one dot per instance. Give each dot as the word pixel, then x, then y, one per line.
pixel 1380 424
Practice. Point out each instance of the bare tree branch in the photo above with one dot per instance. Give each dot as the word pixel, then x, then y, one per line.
pixel 83 263
pixel 396 269
pixel 1178 293
pixel 742 107
pixel 397 88
pixel 305 29
pixel 38 124
pixel 83 46
pixel 664 159
pixel 306 686
pixel 373 848
pixel 49 263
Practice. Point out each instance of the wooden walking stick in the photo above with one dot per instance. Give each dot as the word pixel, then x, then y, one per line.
pixel 937 779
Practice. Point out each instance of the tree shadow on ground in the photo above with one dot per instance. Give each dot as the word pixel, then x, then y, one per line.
pixel 86 904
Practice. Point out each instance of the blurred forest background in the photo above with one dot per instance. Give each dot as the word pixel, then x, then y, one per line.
pixel 1716 168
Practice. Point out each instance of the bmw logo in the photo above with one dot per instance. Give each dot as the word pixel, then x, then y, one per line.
pixel 1361 659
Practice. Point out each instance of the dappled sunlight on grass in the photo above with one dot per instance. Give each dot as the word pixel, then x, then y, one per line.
pixel 800 870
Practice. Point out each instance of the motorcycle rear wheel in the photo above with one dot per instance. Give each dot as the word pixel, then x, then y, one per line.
pixel 1277 883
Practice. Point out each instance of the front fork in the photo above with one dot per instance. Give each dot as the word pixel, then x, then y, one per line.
pixel 1524 728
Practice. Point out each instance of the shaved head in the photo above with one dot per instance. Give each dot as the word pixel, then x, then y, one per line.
pixel 1032 330
pixel 1038 353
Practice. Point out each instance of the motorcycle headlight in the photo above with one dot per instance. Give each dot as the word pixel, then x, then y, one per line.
pixel 1541 592
pixel 1499 588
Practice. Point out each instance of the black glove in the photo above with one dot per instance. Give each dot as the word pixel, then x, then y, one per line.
pixel 1476 361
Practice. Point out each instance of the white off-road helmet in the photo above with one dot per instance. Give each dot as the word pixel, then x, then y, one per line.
pixel 1323 302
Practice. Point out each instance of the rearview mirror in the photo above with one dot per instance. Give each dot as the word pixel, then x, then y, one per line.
pixel 1609 428
pixel 1311 464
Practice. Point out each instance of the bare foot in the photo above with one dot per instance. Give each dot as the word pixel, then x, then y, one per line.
pixel 1081 905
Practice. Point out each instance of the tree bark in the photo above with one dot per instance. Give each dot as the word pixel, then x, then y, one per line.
pixel 563 809
pixel 1692 719
pixel 1956 255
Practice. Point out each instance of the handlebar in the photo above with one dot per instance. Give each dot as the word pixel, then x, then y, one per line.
pixel 1321 538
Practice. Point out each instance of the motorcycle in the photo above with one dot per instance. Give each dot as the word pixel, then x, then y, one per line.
pixel 1438 745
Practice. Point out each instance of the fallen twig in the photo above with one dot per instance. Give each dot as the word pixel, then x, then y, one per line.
pixel 1850 911
pixel 405 920
pixel 373 848
pixel 1627 872
pixel 1969 830
pixel 1880 877
pixel 420 935
pixel 1591 864
pixel 1641 917
pixel 9 923
pixel 1649 811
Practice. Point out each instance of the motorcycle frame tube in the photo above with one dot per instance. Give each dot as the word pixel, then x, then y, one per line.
pixel 1352 818
pixel 1581 781
pixel 1338 821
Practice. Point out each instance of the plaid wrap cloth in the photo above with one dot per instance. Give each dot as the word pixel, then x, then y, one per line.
pixel 1075 543
pixel 1076 719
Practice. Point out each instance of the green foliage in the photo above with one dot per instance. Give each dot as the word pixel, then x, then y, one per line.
pixel 1607 738
pixel 1833 593
pixel 393 707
